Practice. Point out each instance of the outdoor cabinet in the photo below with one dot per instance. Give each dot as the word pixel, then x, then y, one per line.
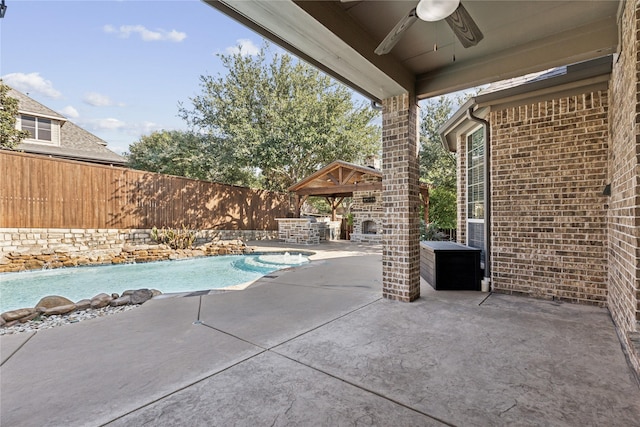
pixel 450 266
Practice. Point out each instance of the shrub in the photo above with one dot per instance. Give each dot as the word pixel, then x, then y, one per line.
pixel 175 238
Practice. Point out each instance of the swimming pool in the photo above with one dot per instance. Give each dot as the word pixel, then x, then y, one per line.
pixel 24 289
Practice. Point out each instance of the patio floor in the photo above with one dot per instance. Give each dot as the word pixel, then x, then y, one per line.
pixel 317 345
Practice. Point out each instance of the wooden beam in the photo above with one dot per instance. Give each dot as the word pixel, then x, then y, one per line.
pixel 316 39
pixel 333 178
pixel 341 24
pixel 342 190
pixel 351 174
pixel 583 43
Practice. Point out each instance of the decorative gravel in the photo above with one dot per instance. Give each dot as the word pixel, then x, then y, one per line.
pixel 66 319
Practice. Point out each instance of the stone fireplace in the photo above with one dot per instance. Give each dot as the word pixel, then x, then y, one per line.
pixel 368 216
pixel 369 227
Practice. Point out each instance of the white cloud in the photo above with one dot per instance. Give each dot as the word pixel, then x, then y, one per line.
pixel 145 128
pixel 70 112
pixel 97 100
pixel 243 47
pixel 30 83
pixel 145 34
pixel 103 124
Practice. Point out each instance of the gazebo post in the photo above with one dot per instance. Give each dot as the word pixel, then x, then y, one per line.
pixel 299 202
pixel 424 192
pixel 334 205
pixel 331 201
pixel 296 201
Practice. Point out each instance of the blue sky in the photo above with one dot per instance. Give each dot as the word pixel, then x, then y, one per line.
pixel 116 68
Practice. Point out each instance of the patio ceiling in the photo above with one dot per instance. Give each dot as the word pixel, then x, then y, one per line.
pixel 520 37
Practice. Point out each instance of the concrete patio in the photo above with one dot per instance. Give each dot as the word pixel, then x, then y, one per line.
pixel 317 345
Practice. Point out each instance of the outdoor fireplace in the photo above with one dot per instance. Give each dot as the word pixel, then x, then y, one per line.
pixel 369 227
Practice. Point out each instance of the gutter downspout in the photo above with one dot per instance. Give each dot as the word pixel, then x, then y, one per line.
pixel 487 193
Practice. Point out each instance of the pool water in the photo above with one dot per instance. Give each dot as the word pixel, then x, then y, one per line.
pixel 24 289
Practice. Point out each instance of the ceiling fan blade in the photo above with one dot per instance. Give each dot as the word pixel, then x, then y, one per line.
pixel 396 34
pixel 464 27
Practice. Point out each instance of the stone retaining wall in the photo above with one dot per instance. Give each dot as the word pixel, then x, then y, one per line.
pixel 95 243
pixel 16 261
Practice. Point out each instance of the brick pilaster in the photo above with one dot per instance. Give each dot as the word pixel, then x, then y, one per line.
pixel 401 199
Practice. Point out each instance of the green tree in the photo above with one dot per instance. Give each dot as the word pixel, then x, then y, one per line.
pixel 10 137
pixel 280 117
pixel 184 154
pixel 437 164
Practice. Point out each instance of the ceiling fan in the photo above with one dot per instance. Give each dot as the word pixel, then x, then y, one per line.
pixel 452 11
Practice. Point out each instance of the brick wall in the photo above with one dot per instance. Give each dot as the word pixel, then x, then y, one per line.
pixel 401 199
pixel 624 203
pixel 548 172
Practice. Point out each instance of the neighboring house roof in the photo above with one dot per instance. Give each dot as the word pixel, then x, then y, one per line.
pixel 75 142
pixel 560 81
pixel 28 105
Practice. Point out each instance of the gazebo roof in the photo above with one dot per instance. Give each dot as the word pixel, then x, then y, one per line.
pixel 341 179
pixel 338 179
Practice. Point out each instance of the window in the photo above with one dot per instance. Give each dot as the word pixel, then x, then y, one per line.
pixel 38 128
pixel 475 189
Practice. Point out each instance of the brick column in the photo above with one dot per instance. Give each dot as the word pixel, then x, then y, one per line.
pixel 401 199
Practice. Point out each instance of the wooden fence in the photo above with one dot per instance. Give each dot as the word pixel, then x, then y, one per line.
pixel 42 192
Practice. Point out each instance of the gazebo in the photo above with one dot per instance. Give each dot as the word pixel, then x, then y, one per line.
pixel 341 179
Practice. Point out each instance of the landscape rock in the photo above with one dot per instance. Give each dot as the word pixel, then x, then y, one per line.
pixel 47 322
pixel 127 247
pixel 100 300
pixel 62 309
pixel 120 301
pixel 83 304
pixel 15 315
pixel 53 301
pixel 30 317
pixel 141 295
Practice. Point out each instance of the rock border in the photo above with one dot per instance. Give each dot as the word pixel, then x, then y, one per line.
pixel 48 259
pixel 55 305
